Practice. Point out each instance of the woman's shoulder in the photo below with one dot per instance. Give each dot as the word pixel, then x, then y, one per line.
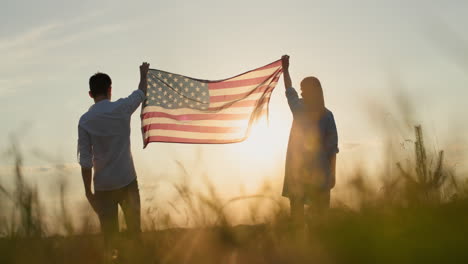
pixel 329 117
pixel 328 113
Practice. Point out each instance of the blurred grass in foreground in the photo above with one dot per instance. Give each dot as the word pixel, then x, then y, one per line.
pixel 419 215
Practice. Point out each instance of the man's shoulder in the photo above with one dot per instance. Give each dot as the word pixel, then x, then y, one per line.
pixel 84 117
pixel 88 115
pixel 136 95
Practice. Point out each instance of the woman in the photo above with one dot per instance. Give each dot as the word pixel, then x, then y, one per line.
pixel 312 147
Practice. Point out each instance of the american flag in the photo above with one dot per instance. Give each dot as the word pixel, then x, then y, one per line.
pixel 188 110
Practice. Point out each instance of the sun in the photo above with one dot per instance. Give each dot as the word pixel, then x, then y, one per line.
pixel 263 153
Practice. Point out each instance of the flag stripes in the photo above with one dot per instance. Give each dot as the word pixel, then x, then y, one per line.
pixel 187 110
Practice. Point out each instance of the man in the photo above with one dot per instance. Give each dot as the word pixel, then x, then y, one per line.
pixel 312 147
pixel 104 144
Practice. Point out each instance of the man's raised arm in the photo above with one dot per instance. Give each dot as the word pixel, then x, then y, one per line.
pixel 132 102
pixel 143 77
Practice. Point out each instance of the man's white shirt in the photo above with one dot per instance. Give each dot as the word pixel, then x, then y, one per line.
pixel 104 141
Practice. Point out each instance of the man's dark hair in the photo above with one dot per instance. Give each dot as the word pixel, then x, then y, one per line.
pixel 99 83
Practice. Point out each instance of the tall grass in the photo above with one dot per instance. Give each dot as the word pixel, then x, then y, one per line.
pixel 418 217
pixel 26 218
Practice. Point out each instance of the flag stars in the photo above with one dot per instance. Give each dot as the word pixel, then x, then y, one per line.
pixel 173 91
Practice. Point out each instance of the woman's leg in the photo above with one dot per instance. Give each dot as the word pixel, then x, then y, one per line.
pixel 297 211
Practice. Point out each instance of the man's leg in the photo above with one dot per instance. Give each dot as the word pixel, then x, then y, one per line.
pixel 131 208
pixel 107 210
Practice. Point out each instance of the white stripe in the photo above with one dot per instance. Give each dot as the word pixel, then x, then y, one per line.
pixel 187 111
pixel 238 90
pixel 194 135
pixel 254 96
pixel 215 123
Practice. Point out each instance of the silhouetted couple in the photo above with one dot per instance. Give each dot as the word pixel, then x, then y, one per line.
pixel 104 144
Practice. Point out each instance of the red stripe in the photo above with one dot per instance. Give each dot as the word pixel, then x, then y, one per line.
pixel 191 140
pixel 245 103
pixel 239 83
pixel 187 117
pixel 190 128
pixel 232 97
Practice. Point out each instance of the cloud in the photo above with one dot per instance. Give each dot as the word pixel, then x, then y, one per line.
pixel 7 86
pixel 52 35
pixel 29 37
pixel 40 33
pixel 47 43
pixel 41 169
pixel 458 147
pixel 350 145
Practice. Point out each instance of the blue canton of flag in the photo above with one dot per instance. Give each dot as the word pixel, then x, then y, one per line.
pixel 173 91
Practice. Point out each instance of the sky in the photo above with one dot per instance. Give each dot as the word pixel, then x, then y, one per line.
pixel 367 54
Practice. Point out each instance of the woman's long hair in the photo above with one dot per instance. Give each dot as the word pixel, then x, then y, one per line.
pixel 312 95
